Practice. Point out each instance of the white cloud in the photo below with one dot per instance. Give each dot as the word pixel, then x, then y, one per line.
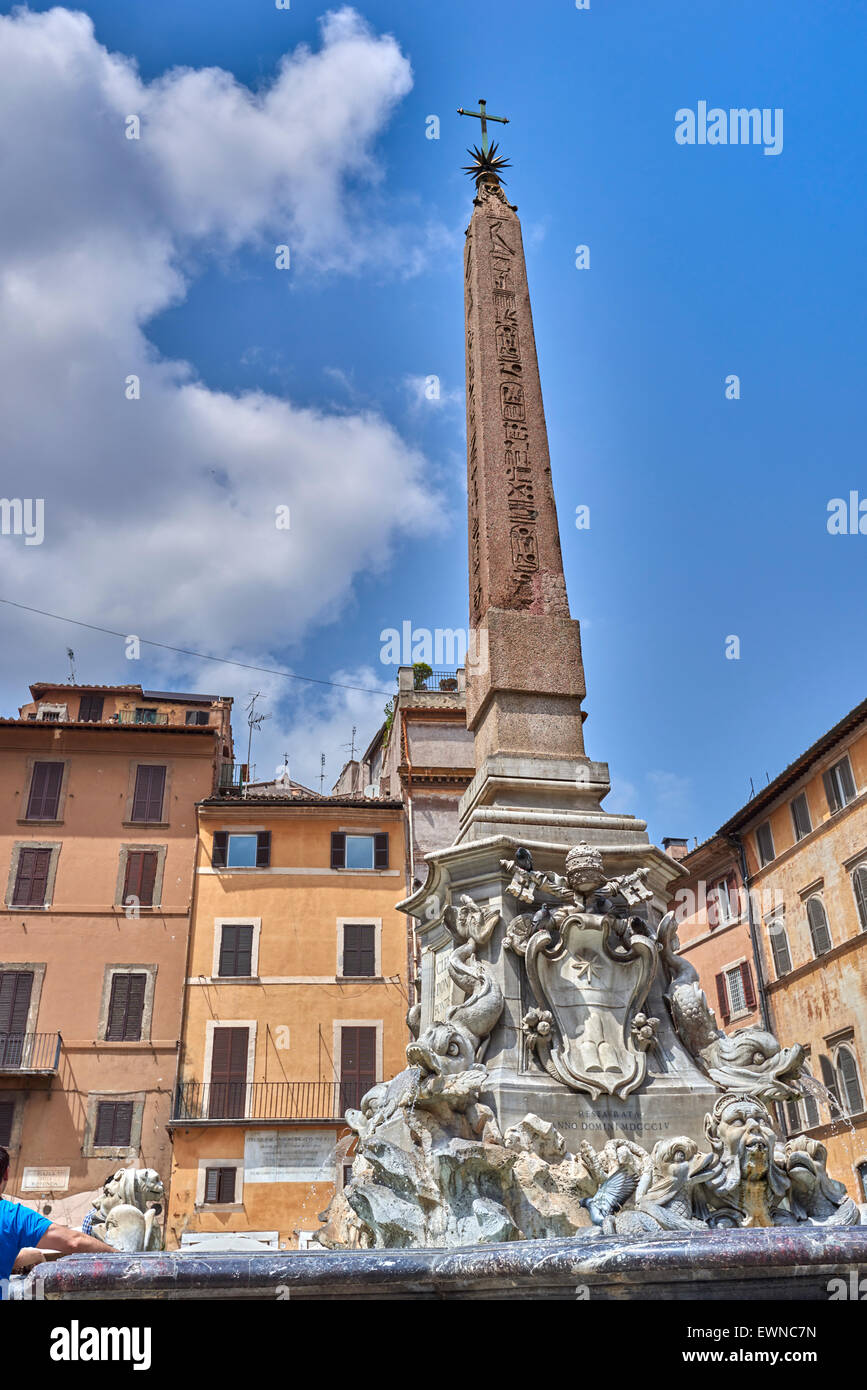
pixel 160 512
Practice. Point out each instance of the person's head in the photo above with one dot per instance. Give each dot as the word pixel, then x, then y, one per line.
pixel 4 1166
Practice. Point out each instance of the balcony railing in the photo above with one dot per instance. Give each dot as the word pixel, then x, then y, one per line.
pixel 29 1052
pixel 147 716
pixel 233 777
pixel 437 680
pixel 267 1100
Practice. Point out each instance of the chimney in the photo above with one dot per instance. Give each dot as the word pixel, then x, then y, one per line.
pixel 675 848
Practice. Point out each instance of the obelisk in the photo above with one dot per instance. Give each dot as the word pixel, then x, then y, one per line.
pixel 525 681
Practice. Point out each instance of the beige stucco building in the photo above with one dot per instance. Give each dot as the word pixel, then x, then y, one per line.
pixel 98 794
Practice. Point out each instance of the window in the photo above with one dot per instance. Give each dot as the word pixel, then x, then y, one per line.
pixel 228 1073
pixel 51 714
pixel 7 1115
pixel 144 715
pixel 220 1184
pixel 765 843
pixel 16 987
pixel 236 951
pixel 801 816
pixel 147 801
pixel 140 876
pixel 90 709
pixel 861 1170
pixel 357 1065
pixel 720 904
pixel 735 991
pixel 839 785
pixel 241 851
pixel 359 950
pixel 113 1128
pixel 859 885
pixel 31 879
pixel 359 851
pixel 44 799
pixel 779 939
pixel 811 1110
pixel 819 931
pixel 126 1007
pixel 793 1117
pixel 847 1080
pixel 199 716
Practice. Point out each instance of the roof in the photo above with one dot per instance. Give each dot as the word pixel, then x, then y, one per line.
pixel 794 770
pixel 181 695
pixel 86 726
pixel 66 685
pixel 369 803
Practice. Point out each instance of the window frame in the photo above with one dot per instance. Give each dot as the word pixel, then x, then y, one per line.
pixel 219 924
pixel 221 845
pixel 113 968
pixel 91 700
pixel 847 1045
pixel 30 816
pixel 18 849
pixel 782 934
pixel 381 847
pixel 90 1148
pixel 359 921
pixel 204 1164
pixel 860 896
pixel 136 766
pixel 833 777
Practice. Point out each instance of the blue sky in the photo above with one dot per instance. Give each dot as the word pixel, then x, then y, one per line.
pixel 708 516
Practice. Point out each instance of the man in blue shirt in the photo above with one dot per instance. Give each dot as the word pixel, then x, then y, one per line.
pixel 20 1228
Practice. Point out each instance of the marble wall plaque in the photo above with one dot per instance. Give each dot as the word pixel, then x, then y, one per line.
pixel 301 1156
pixel 45 1180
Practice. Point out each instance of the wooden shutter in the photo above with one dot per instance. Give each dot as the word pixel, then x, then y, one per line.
pixel 16 987
pixel 859 883
pixel 113 1124
pixel 722 995
pixel 126 1007
pixel 220 849
pixel 220 1184
pixel 228 1072
pixel 7 1114
pixel 236 951
pixel 263 849
pixel 31 880
pixel 819 930
pixel 359 950
pixel 831 791
pixel 380 851
pixel 357 1064
pixel 338 850
pixel 749 990
pixel 90 709
pixel 147 802
pixel 44 798
pixel 141 876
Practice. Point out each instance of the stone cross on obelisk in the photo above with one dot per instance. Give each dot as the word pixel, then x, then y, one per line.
pixel 525 678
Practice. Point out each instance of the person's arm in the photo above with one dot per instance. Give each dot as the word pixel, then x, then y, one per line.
pixel 70 1242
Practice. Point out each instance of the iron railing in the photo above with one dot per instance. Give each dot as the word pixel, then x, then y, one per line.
pixel 29 1052
pixel 267 1100
pixel 437 680
pixel 233 777
pixel 142 716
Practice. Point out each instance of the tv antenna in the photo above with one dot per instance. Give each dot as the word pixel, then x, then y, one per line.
pixel 254 721
pixel 321 772
pixel 71 654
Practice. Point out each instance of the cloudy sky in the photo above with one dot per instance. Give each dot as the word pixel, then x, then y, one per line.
pixel 262 388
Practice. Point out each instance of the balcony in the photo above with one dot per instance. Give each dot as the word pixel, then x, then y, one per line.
pixel 237 1102
pixel 142 716
pixel 233 777
pixel 29 1052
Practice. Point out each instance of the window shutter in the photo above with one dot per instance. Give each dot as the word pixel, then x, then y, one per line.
pixel 122 1128
pixel 859 883
pixel 212 1185
pixel 45 791
pixel 829 1080
pixel 359 950
pixel 16 987
pixel 850 1087
pixel 723 997
pixel 847 779
pixel 227 1184
pixel 338 850
pixel 221 844
pixel 749 991
pixel 263 849
pixel 818 926
pixel 831 791
pixel 104 1125
pixel 7 1113
pixel 244 951
pixel 117 1008
pixel 147 802
pixel 380 851
pixel 140 877
pixel 31 880
pixel 113 1124
pixel 90 709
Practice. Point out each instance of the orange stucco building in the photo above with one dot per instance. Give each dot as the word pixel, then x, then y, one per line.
pixel 295 1005
pixel 98 794
pixel 798 937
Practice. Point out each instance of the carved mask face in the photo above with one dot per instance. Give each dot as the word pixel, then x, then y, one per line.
pixel 746 1136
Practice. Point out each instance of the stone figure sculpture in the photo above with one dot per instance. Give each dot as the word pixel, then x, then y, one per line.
pixel 432 1166
pixel 126 1212
pixel 750 1060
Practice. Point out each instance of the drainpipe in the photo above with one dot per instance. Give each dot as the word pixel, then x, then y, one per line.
pixel 737 843
pixel 413 929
